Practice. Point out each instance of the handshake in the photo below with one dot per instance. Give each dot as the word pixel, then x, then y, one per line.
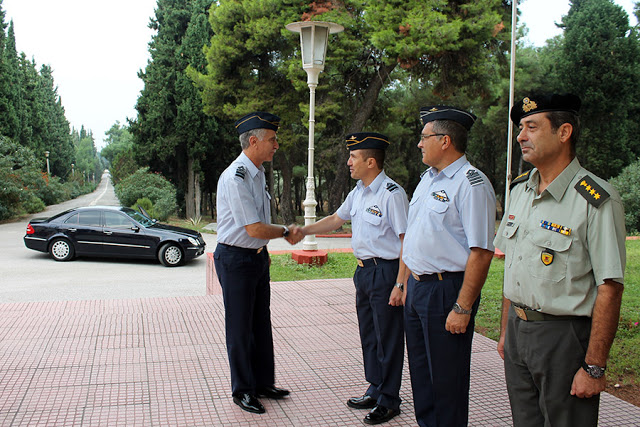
pixel 296 233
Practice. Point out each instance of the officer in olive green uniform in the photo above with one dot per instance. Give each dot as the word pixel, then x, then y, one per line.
pixel 563 237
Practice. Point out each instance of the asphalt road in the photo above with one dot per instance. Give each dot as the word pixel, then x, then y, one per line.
pixel 27 275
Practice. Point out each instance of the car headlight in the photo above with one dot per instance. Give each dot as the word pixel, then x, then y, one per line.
pixel 193 241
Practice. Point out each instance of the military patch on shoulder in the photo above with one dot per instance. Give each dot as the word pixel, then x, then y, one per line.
pixel 391 187
pixel 590 190
pixel 474 177
pixel 240 172
pixel 520 178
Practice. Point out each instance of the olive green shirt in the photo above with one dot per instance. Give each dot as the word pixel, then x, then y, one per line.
pixel 558 245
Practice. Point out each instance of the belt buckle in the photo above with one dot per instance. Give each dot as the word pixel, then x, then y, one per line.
pixel 360 263
pixel 520 313
pixel 259 250
pixel 415 276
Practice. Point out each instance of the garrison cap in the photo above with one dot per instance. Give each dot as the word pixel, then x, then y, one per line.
pixel 444 112
pixel 366 140
pixel 538 103
pixel 257 120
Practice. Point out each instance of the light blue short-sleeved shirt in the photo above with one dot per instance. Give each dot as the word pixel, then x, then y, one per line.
pixel 378 215
pixel 242 200
pixel 450 212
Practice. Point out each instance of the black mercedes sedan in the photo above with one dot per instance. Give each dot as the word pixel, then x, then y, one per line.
pixel 112 231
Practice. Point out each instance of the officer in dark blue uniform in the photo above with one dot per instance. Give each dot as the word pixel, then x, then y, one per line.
pixel 377 208
pixel 448 249
pixel 242 262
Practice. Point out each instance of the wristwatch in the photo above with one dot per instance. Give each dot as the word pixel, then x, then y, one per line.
pixel 594 371
pixel 457 309
pixel 285 231
pixel 399 286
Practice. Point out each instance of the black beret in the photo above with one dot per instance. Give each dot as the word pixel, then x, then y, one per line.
pixel 444 112
pixel 366 140
pixel 257 120
pixel 538 103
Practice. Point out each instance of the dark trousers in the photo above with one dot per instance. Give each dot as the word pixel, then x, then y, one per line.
pixel 381 331
pixel 439 362
pixel 540 361
pixel 244 277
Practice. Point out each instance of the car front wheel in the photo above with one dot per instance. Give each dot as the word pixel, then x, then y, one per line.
pixel 61 250
pixel 170 255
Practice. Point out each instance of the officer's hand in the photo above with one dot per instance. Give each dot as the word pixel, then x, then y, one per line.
pixel 295 234
pixel 501 346
pixel 457 323
pixel 396 298
pixel 585 386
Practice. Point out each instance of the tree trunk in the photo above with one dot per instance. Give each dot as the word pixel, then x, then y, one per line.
pixel 336 195
pixel 197 196
pixel 190 209
pixel 285 199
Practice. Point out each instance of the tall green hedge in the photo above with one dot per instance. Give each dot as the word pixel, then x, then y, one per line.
pixel 628 185
pixel 153 186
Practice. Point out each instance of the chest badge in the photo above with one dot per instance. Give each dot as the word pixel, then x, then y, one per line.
pixel 374 210
pixel 556 227
pixel 440 196
pixel 547 256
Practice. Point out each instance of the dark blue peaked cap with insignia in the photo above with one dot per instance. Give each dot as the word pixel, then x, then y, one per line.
pixel 257 120
pixel 445 112
pixel 366 140
pixel 538 103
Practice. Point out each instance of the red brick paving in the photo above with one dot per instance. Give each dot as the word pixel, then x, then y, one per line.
pixel 162 362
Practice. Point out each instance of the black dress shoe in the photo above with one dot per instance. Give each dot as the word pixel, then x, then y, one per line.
pixel 272 392
pixel 248 402
pixel 380 414
pixel 362 402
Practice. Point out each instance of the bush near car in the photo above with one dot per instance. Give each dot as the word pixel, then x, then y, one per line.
pixel 153 186
pixel 628 185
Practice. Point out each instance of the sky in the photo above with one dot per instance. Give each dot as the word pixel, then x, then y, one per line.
pixel 96 49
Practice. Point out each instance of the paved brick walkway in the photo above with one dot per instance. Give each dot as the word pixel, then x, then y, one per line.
pixel 162 362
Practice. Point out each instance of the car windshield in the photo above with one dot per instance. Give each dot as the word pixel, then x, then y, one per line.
pixel 146 222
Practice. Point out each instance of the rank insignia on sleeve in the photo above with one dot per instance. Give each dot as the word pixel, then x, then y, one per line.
pixel 551 226
pixel 547 256
pixel 391 187
pixel 591 191
pixel 440 196
pixel 474 177
pixel 240 172
pixel 520 178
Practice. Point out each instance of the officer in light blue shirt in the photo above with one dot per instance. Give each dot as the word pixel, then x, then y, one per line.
pixel 377 208
pixel 447 250
pixel 242 262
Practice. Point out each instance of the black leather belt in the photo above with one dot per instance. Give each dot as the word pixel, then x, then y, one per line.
pixel 245 250
pixel 529 315
pixel 374 261
pixel 438 276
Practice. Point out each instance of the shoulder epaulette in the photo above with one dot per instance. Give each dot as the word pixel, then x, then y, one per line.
pixel 391 187
pixel 423 172
pixel 474 177
pixel 520 178
pixel 240 172
pixel 590 190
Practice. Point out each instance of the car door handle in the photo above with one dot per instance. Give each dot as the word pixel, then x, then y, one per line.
pixel 73 230
pixel 108 233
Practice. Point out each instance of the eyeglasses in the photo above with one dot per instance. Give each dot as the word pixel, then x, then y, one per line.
pixel 423 136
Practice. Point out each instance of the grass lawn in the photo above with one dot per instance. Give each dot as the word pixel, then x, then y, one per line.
pixel 624 361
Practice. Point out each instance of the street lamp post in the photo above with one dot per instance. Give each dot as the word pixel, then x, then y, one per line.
pixel 73 172
pixel 46 154
pixel 314 37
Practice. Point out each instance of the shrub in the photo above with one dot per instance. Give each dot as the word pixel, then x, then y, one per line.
pixel 33 204
pixel 628 185
pixel 146 204
pixel 144 184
